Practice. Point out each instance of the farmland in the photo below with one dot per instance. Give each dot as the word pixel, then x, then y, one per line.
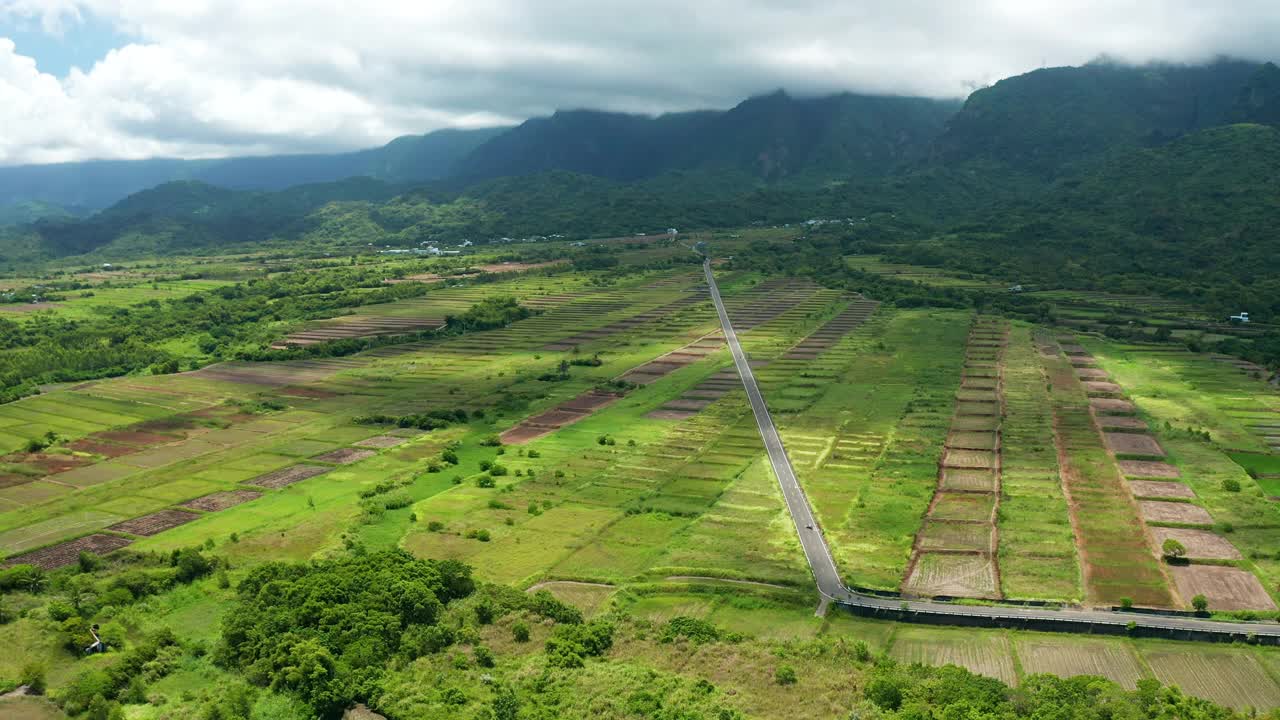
pixel 600 447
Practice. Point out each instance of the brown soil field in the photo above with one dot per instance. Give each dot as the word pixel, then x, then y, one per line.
pixel 154 523
pixel 1226 588
pixel 306 392
pixel 104 449
pixel 222 500
pixel 972 480
pixel 954 575
pixel 1080 361
pixel 48 463
pixel 288 476
pixel 1112 406
pixel 955 458
pixel 12 479
pixel 1088 373
pixel 1072 349
pixel 67 553
pixel 1200 544
pixel 1125 443
pixel 1120 422
pixel 1174 512
pixel 1160 489
pixel 589 401
pixel 344 456
pixel 1147 468
pixel 134 437
pixel 20 308
pixel 379 441
pixel 1099 387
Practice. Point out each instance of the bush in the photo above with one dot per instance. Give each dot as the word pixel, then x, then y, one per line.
pixel 1126 603
pixel 861 652
pixel 87 562
pixel 520 632
pixel 1231 485
pixel 59 610
pixel 484 613
pixel 435 526
pixel 784 675
pixel 450 457
pixel 485 465
pixel 1200 603
pixel 1172 549
pixel 28 578
pixel 33 677
pixel 485 481
pixel 534 454
pixel 569 645
pixel 695 629
pixel 483 656
pixel 481 535
pixel 497 470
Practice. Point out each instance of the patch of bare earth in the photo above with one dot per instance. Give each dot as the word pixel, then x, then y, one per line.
pixel 288 476
pixel 1226 588
pixel 344 456
pixel 222 500
pixel 1127 443
pixel 67 553
pixel 154 523
pixel 1157 511
pixel 1200 544
pixel 1149 469
pixel 1160 489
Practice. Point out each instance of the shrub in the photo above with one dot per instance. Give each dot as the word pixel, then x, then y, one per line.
pixel 1172 549
pixel 1126 603
pixel 1200 603
pixel 435 526
pixel 861 652
pixel 33 677
pixel 484 612
pixel 520 632
pixel 483 656
pixel 785 675
pixel 485 481
pixel 497 470
pixel 535 454
pixel 485 465
pixel 481 535
pixel 450 457
pixel 569 645
pixel 695 629
pixel 491 441
pixel 1231 485
pixel 22 577
pixel 88 562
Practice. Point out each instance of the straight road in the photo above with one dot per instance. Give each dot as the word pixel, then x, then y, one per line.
pixel 832 587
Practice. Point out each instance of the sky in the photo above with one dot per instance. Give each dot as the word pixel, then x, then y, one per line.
pixel 82 79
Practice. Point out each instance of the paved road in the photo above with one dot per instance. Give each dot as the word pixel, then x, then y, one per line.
pixel 832 587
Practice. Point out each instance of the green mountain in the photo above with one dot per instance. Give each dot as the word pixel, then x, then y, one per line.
pixel 99 184
pixel 772 137
pixel 1045 121
pixel 1259 100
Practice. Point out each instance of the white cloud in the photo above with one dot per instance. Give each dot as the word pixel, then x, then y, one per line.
pixel 215 77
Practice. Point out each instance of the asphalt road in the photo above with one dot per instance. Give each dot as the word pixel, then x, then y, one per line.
pixel 833 588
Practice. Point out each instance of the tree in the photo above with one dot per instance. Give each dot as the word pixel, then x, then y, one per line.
pixel 1172 549
pixel 1200 603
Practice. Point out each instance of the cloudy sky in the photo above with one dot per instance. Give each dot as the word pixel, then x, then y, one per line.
pixel 199 78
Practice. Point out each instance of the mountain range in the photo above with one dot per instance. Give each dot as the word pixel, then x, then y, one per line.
pixel 1058 158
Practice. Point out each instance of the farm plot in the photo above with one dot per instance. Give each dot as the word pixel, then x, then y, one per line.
pixel 1229 676
pixel 954 554
pixel 982 654
pixel 67 553
pixel 1199 544
pixel 1159 511
pixel 288 476
pixel 158 522
pixel 1133 444
pixel 345 456
pixel 1226 588
pixel 1069 657
pixel 1158 489
pixel 219 501
pixel 1112 540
